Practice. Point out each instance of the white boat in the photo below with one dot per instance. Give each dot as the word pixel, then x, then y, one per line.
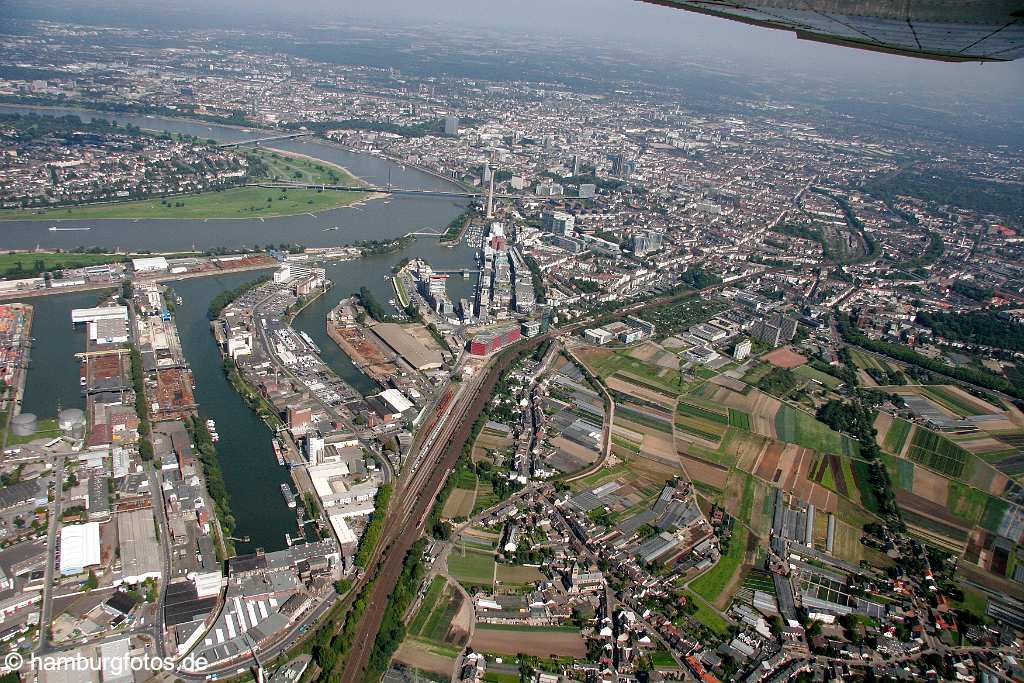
pixel 54 228
pixel 210 424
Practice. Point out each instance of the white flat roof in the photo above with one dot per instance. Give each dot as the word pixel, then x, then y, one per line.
pixel 87 315
pixel 342 530
pixel 397 400
pixel 150 263
pixel 79 547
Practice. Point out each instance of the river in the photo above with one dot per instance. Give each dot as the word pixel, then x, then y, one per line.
pixel 251 472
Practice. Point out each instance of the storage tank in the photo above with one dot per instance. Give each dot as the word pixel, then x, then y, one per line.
pixel 70 418
pixel 24 424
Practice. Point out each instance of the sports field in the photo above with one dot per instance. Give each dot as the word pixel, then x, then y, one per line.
pixel 471 566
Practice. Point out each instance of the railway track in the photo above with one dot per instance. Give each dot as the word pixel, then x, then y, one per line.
pixel 406 523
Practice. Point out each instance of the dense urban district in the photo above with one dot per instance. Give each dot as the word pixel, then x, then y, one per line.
pixel 730 392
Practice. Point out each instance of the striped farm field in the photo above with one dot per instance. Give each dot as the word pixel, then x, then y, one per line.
pixel 896 437
pixel 739 419
pixel 938 453
pixel 704 413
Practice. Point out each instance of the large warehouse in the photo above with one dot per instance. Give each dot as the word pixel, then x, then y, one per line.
pixel 140 551
pixel 408 347
pixel 79 547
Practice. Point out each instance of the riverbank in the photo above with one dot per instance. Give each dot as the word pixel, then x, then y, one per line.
pixel 95 286
pixel 17 390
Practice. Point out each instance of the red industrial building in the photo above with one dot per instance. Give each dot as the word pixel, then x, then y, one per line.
pixel 489 342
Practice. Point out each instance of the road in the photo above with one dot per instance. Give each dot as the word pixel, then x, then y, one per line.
pixel 46 612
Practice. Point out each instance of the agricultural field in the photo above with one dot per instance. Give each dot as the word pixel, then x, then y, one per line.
pixel 435 619
pixel 707 616
pixel 718 584
pixel 459 504
pixel 957 401
pixel 938 453
pixel 620 364
pixel 894 437
pixel 796 426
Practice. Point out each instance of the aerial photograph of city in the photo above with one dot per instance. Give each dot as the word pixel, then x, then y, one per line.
pixel 609 341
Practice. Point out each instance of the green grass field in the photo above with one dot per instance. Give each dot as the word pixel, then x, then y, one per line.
pixel 896 437
pixel 796 426
pixel 15 265
pixel 663 380
pixel 707 616
pixel 471 566
pixel 242 202
pixel 807 372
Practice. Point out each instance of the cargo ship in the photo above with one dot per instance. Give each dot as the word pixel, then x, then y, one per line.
pixel 289 497
pixel 278 452
pixel 310 341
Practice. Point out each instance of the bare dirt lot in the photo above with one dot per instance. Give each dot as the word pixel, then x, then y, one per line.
pixel 704 471
pixel 785 357
pixel 417 655
pixel 539 643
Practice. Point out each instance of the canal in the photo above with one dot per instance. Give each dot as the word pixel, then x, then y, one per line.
pixel 251 472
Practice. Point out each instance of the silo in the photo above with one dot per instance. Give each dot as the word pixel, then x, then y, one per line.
pixel 809 531
pixel 24 424
pixel 830 537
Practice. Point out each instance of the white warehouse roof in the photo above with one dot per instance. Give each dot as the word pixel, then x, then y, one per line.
pixel 397 400
pixel 149 264
pixel 79 547
pixel 91 315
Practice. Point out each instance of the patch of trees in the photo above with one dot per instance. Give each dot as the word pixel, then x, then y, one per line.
pixel 972 291
pixel 778 382
pixel 379 247
pixel 978 327
pixel 982 378
pixel 207 454
pixel 698 278
pixel 799 231
pixel 417 130
pixel 222 300
pixel 371 537
pixel 372 306
pixel 392 627
pixel 945 184
pixel 536 278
